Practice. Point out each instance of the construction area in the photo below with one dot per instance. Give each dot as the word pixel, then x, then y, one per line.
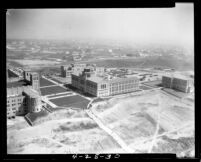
pixel 153 122
pixel 68 131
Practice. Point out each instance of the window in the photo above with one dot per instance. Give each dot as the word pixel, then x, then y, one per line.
pixel 116 88
pixel 126 86
pixel 103 86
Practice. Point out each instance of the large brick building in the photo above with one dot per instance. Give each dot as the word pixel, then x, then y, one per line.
pixel 89 82
pixel 22 100
pixel 178 82
pixel 23 96
pixel 66 71
pixel 33 79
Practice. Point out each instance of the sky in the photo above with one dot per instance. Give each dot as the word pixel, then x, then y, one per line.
pixel 155 25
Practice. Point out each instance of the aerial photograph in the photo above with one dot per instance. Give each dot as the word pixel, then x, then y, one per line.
pixel 101 81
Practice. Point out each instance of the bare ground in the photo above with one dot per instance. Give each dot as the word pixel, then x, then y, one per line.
pixel 143 122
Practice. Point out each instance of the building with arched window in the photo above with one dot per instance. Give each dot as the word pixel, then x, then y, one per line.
pixel 89 82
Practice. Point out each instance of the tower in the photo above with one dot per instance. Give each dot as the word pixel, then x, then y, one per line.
pixel 35 82
pixel 27 75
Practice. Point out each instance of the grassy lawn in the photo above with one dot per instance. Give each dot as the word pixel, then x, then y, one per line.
pixel 45 82
pixel 71 101
pixel 52 90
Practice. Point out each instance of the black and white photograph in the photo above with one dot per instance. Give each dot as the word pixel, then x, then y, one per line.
pixel 100 81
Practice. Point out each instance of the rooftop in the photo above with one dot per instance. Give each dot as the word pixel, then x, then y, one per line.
pixel 11 74
pixel 19 83
pixel 76 73
pixel 121 79
pixel 179 76
pixel 97 79
pixel 34 73
pixel 31 92
pixel 117 79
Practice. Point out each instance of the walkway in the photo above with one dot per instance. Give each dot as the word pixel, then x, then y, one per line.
pixel 60 96
pixel 110 132
pixel 50 80
pixel 48 86
pixel 48 102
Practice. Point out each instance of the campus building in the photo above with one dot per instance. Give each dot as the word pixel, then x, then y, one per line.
pixel 178 82
pixel 66 71
pixel 33 79
pixel 24 96
pixel 89 82
pixel 22 100
pixel 11 76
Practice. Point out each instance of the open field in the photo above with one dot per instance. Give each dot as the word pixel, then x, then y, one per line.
pixel 175 92
pixel 57 113
pixel 181 144
pixel 16 124
pixel 13 63
pixel 52 90
pixel 68 135
pixel 27 62
pixel 71 101
pixel 142 121
pixel 33 146
pixel 149 123
pixel 147 62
